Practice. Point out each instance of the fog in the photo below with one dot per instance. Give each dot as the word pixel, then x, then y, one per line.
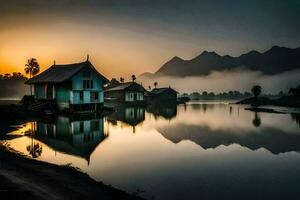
pixel 238 79
pixel 13 89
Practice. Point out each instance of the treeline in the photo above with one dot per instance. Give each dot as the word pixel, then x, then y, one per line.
pixel 235 95
pixel 12 85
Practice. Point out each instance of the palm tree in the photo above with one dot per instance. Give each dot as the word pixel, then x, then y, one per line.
pixel 35 149
pixel 256 90
pixel 155 84
pixel 32 68
pixel 133 78
pixel 256 121
pixel 121 79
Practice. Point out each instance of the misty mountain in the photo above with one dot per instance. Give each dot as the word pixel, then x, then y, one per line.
pixel 274 61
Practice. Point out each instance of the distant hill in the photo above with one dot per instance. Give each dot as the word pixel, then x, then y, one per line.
pixel 273 61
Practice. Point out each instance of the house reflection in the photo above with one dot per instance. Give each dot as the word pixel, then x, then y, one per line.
pixel 75 136
pixel 131 116
pixel 165 111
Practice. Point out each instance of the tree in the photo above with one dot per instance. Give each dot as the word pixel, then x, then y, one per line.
pixel 121 79
pixel 32 68
pixel 295 91
pixel 155 84
pixel 7 75
pixel 149 87
pixel 133 77
pixel 256 90
pixel 35 150
pixel 195 95
pixel 113 83
pixel 15 74
pixel 247 94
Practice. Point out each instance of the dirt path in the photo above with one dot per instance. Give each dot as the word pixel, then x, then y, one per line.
pixel 22 178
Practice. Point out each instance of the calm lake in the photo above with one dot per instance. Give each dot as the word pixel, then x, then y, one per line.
pixel 206 150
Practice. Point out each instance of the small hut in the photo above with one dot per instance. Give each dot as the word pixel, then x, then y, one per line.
pixel 162 96
pixel 129 93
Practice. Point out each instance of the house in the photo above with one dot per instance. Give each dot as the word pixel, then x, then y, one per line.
pixel 74 87
pixel 162 96
pixel 129 93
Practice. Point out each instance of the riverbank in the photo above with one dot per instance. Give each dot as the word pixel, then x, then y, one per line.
pixel 24 178
pixel 285 101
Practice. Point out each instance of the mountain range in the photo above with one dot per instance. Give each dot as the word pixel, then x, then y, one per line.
pixel 273 61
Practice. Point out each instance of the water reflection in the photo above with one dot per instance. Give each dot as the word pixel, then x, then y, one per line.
pixel 256 121
pixel 35 149
pixel 193 151
pixel 296 118
pixel 131 116
pixel 202 107
pixel 72 136
pixel 209 132
pixel 165 111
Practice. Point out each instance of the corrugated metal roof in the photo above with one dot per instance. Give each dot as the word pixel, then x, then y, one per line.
pixel 61 73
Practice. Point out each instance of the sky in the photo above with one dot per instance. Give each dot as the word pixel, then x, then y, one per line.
pixel 136 36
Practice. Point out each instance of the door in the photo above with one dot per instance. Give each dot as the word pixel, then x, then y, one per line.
pixel 50 91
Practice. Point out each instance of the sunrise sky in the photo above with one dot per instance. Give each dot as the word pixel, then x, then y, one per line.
pixel 135 36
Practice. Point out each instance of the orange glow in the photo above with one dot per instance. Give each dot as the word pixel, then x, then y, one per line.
pixel 114 52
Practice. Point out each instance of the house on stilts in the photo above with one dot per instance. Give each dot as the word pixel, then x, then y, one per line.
pixel 74 87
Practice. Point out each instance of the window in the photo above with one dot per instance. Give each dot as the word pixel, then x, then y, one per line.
pixel 88 84
pixel 129 96
pixel 94 96
pixel 81 95
pixel 92 84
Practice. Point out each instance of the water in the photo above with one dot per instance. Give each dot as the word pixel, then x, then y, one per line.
pixel 196 151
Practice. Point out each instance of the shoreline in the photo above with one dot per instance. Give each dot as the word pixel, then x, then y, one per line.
pixel 26 178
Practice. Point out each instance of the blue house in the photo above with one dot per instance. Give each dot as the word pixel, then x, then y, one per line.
pixel 74 87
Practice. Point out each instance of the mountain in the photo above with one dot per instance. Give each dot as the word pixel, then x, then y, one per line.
pixel 274 140
pixel 273 61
